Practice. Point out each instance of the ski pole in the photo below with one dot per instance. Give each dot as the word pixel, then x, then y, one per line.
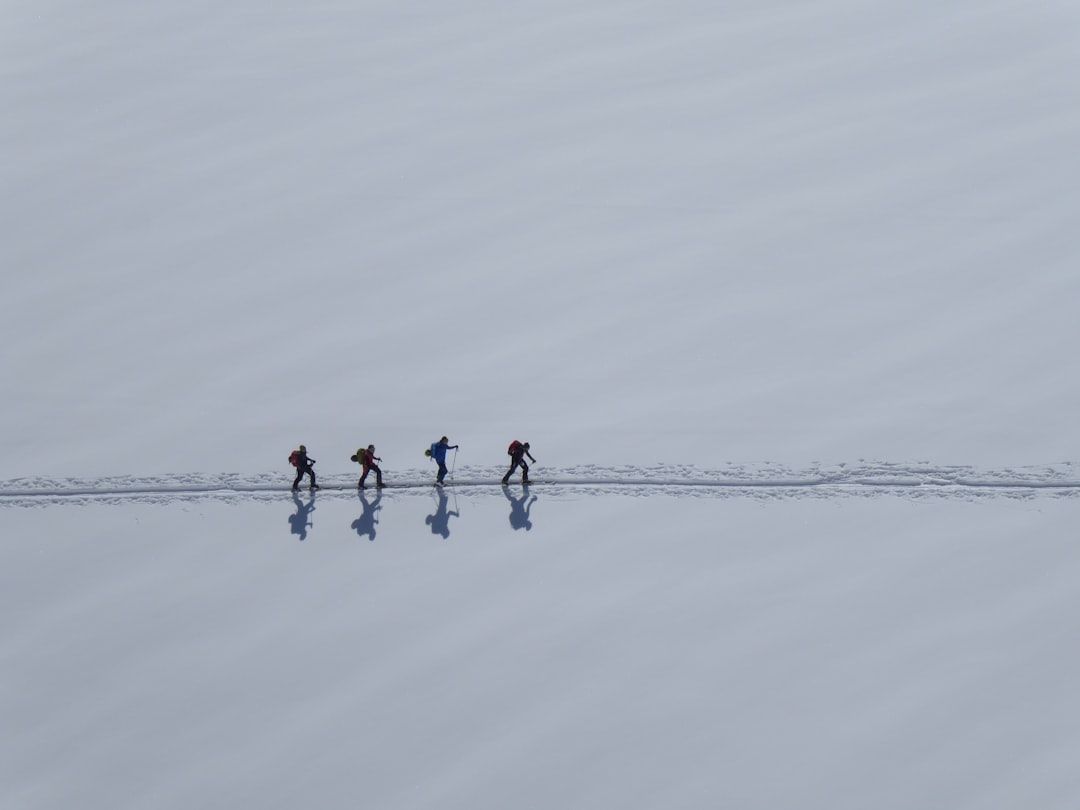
pixel 453 464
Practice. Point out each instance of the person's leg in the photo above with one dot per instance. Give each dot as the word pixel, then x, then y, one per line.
pixel 363 477
pixel 513 466
pixel 378 476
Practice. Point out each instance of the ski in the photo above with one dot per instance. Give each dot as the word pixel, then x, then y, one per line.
pixel 418 485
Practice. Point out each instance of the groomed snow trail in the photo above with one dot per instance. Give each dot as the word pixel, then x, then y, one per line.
pixel 766 480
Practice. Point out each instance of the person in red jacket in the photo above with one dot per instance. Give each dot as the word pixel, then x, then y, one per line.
pixel 368 458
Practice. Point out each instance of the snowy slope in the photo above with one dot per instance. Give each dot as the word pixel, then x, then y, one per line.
pixel 781 293
pixel 636 232
pixel 816 651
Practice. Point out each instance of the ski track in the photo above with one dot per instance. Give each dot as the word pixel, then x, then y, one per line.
pixel 763 481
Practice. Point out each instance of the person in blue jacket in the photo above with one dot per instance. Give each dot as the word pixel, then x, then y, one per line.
pixel 438 454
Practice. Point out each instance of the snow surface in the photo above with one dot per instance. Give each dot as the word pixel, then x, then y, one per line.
pixel 783 295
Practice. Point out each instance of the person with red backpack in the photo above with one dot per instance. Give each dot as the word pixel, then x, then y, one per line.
pixel 368 458
pixel 517 452
pixel 299 459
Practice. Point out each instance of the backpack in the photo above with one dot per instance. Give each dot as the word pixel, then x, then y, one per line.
pixel 515 447
pixel 294 458
pixel 361 456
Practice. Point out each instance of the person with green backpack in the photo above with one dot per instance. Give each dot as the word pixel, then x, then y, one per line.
pixel 366 457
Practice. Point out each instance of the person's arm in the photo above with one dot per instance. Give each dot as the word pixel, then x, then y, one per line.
pixel 533 460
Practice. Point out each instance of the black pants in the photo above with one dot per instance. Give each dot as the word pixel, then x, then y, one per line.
pixel 515 462
pixel 378 474
pixel 300 474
